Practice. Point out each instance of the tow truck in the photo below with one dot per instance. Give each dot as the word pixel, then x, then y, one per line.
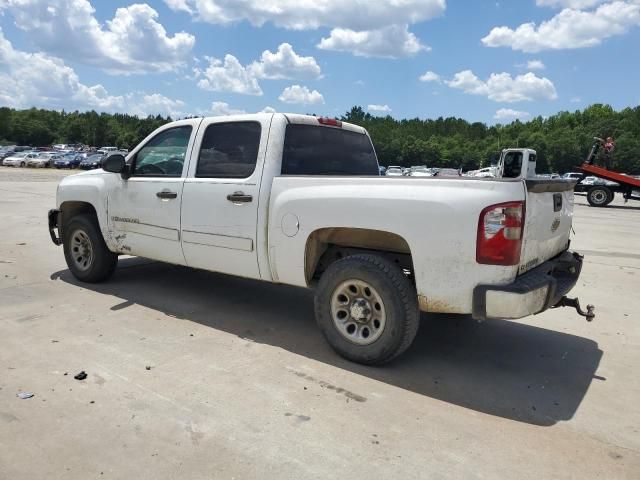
pixel 603 195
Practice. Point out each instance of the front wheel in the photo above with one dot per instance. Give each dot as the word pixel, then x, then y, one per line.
pixel 367 309
pixel 22 164
pixel 600 196
pixel 86 254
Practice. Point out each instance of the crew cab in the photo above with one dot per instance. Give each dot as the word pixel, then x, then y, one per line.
pixel 298 200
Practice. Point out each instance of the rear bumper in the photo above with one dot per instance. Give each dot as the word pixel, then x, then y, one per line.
pixel 531 293
pixel 54 224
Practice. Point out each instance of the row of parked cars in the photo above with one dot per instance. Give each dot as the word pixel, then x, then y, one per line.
pixel 20 156
pixel 418 171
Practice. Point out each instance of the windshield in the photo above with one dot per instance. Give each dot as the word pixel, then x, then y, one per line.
pixel 318 150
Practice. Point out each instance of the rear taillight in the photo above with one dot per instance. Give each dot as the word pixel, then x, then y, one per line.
pixel 500 234
pixel 332 122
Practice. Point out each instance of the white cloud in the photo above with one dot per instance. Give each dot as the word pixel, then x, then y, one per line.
pixel 154 104
pixel 576 4
pixel 510 114
pixel 502 87
pixel 132 42
pixel 308 14
pixel 575 100
pixel 379 108
pixel 358 26
pixel 223 108
pixel 569 29
pixel 394 41
pixel 40 80
pixel 285 64
pixel 229 76
pixel 535 65
pixel 232 76
pixel 268 110
pixel 301 95
pixel 430 76
pixel 179 5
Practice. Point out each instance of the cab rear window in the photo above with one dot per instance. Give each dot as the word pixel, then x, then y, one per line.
pixel 318 150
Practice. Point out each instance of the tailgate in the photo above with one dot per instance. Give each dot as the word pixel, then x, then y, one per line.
pixel 548 219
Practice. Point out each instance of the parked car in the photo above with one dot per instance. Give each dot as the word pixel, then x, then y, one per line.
pixel 7 151
pixel 70 160
pixel 311 211
pixel 573 176
pixel 91 162
pixel 447 172
pixel 19 159
pixel 43 160
pixel 105 150
pixel 394 171
pixel 421 172
pixel 486 172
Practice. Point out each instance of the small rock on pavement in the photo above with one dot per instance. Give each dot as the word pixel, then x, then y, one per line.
pixel 24 395
pixel 81 376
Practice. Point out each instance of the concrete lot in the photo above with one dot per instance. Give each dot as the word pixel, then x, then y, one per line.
pixel 242 385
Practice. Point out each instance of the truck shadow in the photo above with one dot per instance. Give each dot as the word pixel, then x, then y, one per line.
pixel 508 369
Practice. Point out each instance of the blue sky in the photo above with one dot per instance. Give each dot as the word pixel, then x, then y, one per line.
pixel 486 61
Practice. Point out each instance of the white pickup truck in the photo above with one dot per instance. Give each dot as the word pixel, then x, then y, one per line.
pixel 298 200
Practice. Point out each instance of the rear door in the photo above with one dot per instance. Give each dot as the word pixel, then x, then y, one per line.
pixel 221 195
pixel 548 221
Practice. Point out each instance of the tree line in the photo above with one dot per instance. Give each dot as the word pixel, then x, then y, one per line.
pixel 562 140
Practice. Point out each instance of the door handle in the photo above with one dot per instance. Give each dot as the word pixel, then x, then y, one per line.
pixel 239 197
pixel 166 194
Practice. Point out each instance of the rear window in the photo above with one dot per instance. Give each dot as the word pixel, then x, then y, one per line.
pixel 229 150
pixel 311 150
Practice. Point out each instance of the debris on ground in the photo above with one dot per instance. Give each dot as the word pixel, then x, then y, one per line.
pixel 24 395
pixel 81 376
pixel 148 367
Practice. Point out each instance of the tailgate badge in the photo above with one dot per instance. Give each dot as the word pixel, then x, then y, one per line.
pixel 555 225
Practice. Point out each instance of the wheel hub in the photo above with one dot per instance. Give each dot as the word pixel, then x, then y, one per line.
pixel 358 312
pixel 81 250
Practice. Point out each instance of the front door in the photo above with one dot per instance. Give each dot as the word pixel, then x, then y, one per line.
pixel 221 194
pixel 144 210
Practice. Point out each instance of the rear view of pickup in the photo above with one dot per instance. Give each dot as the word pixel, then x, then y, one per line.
pixel 298 200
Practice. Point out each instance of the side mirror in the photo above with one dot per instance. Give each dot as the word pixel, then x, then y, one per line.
pixel 114 163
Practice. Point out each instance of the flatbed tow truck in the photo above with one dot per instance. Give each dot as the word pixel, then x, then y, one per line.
pixel 602 195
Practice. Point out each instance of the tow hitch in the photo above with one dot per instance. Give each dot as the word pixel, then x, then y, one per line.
pixel 575 303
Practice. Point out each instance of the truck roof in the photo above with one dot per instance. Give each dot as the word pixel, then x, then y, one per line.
pixel 293 118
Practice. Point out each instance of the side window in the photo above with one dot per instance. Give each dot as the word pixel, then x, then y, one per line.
pixel 163 155
pixel 512 165
pixel 229 150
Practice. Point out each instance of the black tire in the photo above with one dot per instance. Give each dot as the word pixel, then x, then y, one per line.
pixel 102 261
pixel 599 196
pixel 399 299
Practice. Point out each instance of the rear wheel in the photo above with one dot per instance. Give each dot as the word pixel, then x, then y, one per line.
pixel 86 254
pixel 367 309
pixel 22 164
pixel 599 196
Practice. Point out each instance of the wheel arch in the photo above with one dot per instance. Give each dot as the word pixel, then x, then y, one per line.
pixel 72 208
pixel 326 245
